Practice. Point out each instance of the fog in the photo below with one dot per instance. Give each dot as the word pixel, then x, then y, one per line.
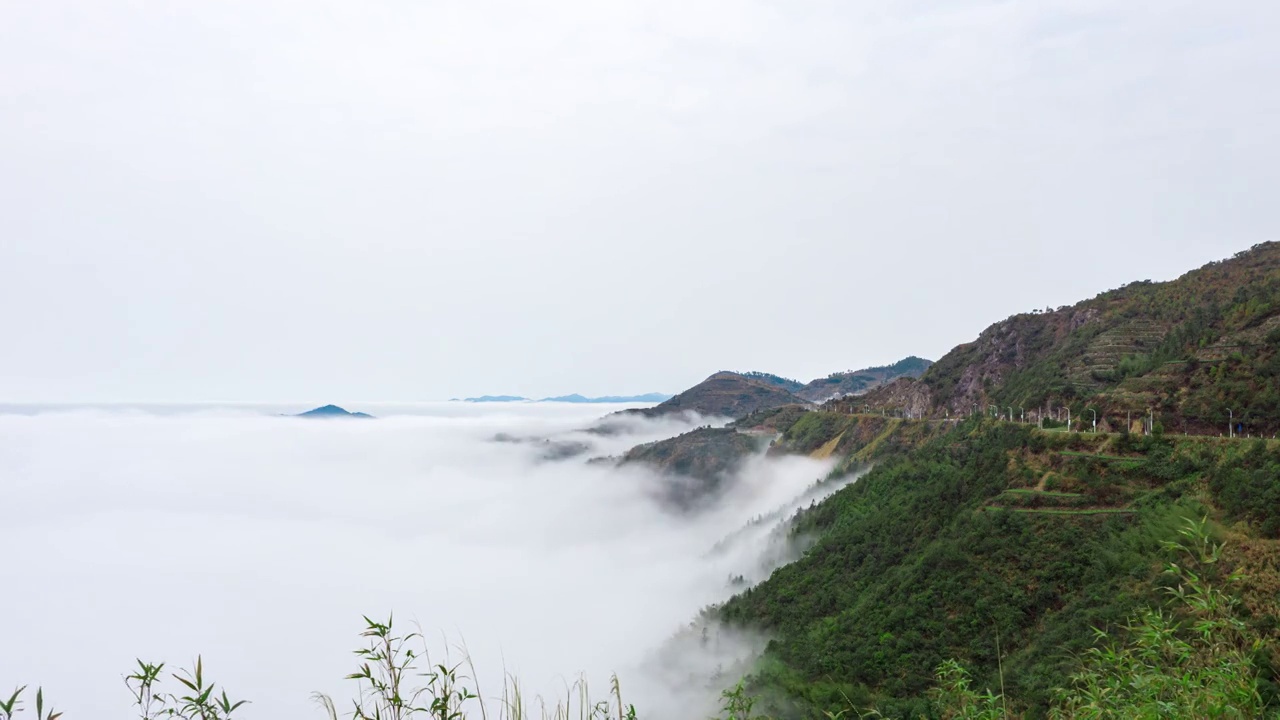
pixel 258 541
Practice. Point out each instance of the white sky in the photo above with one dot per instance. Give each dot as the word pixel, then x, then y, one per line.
pixel 280 200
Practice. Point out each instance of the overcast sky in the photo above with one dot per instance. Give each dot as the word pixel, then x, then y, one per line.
pixel 382 200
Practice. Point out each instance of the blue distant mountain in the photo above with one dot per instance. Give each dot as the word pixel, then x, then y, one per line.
pixel 576 398
pixel 331 411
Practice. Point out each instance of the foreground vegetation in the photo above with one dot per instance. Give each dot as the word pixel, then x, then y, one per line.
pixel 396 680
pixel 1001 547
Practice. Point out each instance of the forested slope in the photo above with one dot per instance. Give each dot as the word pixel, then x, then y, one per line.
pixel 997 539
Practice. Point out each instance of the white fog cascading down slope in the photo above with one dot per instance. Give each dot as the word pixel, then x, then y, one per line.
pixel 258 541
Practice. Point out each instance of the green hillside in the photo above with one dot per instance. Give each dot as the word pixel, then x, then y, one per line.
pixel 1003 545
pixel 996 535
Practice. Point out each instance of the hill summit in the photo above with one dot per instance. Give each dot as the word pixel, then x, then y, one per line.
pixel 331 411
pixel 724 394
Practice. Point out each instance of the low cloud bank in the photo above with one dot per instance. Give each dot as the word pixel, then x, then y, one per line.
pixel 260 541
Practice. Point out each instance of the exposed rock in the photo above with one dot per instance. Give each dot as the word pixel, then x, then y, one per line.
pixel 905 396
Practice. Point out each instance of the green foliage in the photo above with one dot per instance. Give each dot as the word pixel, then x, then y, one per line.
pixel 384 694
pixel 398 682
pixel 956 699
pixel 775 380
pixel 737 704
pixel 1248 486
pixel 778 419
pixel 707 456
pixel 13 705
pixel 1196 664
pixel 947 549
pixel 812 430
pixel 1197 668
pixel 196 701
pixel 395 681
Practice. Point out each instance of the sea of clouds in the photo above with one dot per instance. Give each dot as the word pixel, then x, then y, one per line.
pixel 259 541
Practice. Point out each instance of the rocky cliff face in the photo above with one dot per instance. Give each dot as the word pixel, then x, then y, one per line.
pixel 966 376
pixel 903 397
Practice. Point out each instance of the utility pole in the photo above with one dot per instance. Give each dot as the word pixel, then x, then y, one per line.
pixel 1068 418
pixel 1095 420
pixel 1231 423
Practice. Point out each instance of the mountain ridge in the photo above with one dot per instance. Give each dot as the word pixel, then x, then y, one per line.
pixel 736 394
pixel 1193 353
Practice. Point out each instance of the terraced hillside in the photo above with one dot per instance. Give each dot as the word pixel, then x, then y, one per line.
pixel 1197 352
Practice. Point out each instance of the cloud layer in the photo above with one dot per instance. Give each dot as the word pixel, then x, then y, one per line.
pixel 259 541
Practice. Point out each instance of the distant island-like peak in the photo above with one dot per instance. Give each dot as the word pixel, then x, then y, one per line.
pixel 332 411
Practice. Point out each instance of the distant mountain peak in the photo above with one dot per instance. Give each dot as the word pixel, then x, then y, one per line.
pixel 332 411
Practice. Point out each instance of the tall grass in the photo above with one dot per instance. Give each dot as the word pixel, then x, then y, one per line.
pixel 1193 661
pixel 395 680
